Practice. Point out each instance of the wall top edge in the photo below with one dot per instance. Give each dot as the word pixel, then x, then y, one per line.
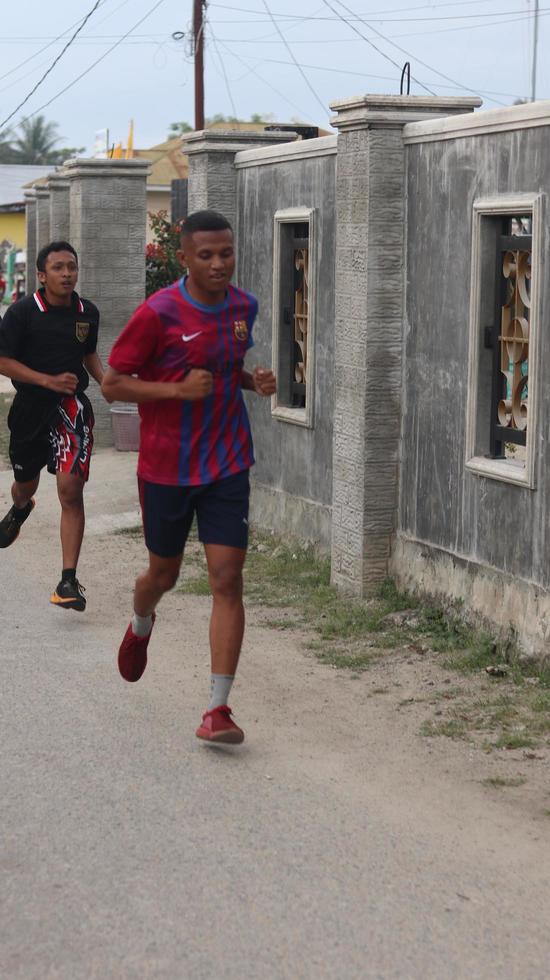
pixel 489 121
pixel 230 141
pixel 389 102
pixel 91 167
pixel 363 111
pixel 300 150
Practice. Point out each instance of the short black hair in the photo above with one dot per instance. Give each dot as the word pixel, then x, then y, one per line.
pixel 204 221
pixel 42 256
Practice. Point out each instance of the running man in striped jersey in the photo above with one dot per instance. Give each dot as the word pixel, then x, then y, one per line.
pixel 47 347
pixel 181 359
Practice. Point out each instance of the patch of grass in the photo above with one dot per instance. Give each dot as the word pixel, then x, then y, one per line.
pixel 349 661
pixel 452 728
pixel 447 693
pixel 471 653
pixel 195 586
pixel 394 600
pixel 515 740
pixel 500 781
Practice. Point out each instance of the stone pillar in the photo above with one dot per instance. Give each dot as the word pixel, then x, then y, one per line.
pixel 108 214
pixel 30 247
pixel 60 212
pixel 42 216
pixel 370 282
pixel 212 175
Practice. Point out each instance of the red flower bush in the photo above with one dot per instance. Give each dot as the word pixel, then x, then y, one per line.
pixel 161 264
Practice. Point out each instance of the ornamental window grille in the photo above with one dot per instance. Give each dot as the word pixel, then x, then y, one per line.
pixel 293 315
pixel 508 338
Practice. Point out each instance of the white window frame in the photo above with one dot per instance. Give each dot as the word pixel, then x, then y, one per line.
pixel 285 413
pixel 509 470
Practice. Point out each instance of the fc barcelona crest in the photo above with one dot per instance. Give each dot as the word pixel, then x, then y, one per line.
pixel 82 331
pixel 241 329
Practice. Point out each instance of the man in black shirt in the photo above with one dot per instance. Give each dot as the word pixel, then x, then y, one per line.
pixel 47 347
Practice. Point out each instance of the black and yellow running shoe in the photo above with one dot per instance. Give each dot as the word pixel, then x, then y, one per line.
pixel 69 594
pixel 10 525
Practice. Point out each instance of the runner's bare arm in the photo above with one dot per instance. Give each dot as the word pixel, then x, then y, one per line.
pixel 63 384
pixel 93 365
pixel 260 380
pixel 118 387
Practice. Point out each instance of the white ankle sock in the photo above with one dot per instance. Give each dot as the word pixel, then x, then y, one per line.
pixel 142 625
pixel 220 686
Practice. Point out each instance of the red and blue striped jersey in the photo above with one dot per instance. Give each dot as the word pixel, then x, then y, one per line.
pixel 190 443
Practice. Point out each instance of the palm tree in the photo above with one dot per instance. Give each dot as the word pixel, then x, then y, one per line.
pixel 6 149
pixel 36 141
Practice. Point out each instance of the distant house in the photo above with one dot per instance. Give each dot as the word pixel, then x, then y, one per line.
pixel 13 178
pixel 168 163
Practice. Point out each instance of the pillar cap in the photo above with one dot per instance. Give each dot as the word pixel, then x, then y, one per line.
pixel 230 140
pixel 59 180
pixel 364 111
pixel 42 191
pixel 101 167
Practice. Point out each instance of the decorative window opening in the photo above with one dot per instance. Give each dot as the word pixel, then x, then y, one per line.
pixel 293 315
pixel 509 341
pixel 503 370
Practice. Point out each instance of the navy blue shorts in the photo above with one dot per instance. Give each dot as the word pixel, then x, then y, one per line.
pixel 221 509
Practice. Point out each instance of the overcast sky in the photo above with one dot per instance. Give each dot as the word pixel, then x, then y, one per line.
pixel 483 45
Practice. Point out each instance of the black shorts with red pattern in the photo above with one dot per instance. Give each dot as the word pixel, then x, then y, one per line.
pixel 65 446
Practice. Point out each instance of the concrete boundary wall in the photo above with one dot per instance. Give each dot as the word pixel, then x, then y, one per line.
pixel 469 527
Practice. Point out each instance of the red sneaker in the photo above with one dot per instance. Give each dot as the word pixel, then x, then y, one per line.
pixel 132 655
pixel 218 726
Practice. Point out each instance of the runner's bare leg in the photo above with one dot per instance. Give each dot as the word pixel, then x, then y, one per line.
pixel 21 493
pixel 225 567
pixel 70 490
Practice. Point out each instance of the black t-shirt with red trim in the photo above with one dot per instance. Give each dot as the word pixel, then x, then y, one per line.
pixel 49 339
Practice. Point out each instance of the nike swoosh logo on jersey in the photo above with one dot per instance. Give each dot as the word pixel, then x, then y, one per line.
pixel 191 336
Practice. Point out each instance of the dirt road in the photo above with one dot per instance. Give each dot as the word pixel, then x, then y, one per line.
pixel 334 843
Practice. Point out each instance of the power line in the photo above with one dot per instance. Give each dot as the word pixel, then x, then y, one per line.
pixel 447 78
pixel 220 59
pixel 254 71
pixel 36 53
pixel 53 64
pixel 300 69
pixel 395 10
pixel 299 18
pixel 373 45
pixel 383 78
pixel 513 19
pixel 93 65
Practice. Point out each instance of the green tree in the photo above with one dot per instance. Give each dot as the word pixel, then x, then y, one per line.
pixel 35 140
pixel 57 157
pixel 178 129
pixel 6 149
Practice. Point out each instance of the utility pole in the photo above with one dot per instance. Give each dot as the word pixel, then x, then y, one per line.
pixel 198 45
pixel 535 45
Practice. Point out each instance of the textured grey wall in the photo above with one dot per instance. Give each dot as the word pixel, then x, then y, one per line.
pixel 108 219
pixel 292 461
pixel 60 208
pixel 441 503
pixel 30 221
pixel 42 217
